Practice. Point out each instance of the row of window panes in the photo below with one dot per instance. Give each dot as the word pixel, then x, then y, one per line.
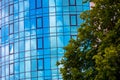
pixel 30 65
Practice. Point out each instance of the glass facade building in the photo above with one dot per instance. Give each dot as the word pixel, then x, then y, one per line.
pixel 33 34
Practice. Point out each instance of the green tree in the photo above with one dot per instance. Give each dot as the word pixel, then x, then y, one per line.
pixel 95 54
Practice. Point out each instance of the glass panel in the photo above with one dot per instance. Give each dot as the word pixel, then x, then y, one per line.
pixel 34 65
pixel 72 2
pixel 40 64
pixel 21 26
pixel 21 6
pixel 11 68
pixel 27 44
pixel 11 9
pixel 11 48
pixel 27 66
pixel 16 8
pixel 73 20
pixel 33 43
pixel 39 22
pixel 39 43
pixel 11 28
pixel 15 27
pixel 39 3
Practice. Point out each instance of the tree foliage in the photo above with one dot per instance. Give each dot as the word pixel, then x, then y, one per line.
pixel 95 54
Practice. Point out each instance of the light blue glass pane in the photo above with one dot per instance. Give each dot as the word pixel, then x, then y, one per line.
pixel 52 21
pixel 51 2
pixel 28 75
pixel 22 66
pixel 26 5
pixel 11 9
pixel 34 74
pixel 27 44
pixel 53 42
pixel 72 2
pixel 79 2
pixel 21 7
pixel 27 24
pixel 16 8
pixel 21 25
pixel 34 65
pixel 16 47
pixel 66 40
pixel 16 67
pixel 65 2
pixel 15 27
pixel 53 63
pixel 59 20
pixel 11 28
pixel 22 55
pixel 46 42
pixel 40 64
pixel 45 3
pixel 66 20
pixel 21 46
pixel 47 63
pixel 59 2
pixel 11 69
pixel 33 23
pixel 73 20
pixel 33 43
pixel 11 48
pixel 39 22
pixel 27 66
pixel 60 41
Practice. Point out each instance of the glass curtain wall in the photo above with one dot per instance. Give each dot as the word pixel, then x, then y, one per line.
pixel 33 34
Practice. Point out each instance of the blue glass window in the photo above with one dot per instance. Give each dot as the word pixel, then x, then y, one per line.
pixel 40 64
pixel 21 6
pixel 15 27
pixel 39 22
pixel 11 68
pixel 11 9
pixel 11 28
pixel 72 2
pixel 73 20
pixel 32 4
pixel 39 43
pixel 11 48
pixel 38 3
pixel 16 8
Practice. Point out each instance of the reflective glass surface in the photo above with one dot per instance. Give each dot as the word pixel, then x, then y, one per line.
pixel 33 34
